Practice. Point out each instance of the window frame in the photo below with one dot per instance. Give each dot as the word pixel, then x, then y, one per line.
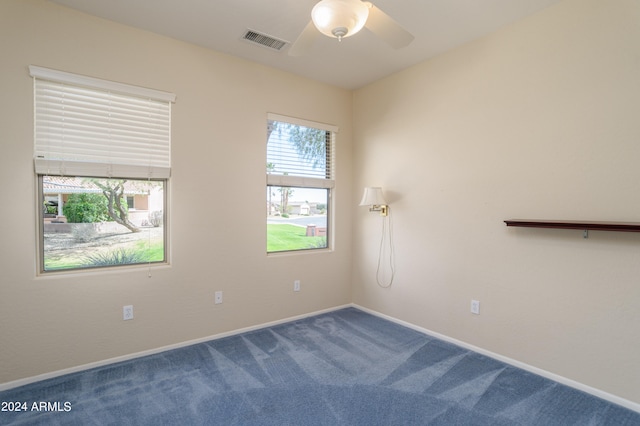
pixel 144 155
pixel 328 228
pixel 328 182
pixel 41 246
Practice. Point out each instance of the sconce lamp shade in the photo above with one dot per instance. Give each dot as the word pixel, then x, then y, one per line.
pixel 373 197
pixel 340 18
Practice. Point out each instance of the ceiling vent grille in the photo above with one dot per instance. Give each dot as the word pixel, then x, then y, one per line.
pixel 264 40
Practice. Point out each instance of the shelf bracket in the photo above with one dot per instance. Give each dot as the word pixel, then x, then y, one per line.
pixel 585 234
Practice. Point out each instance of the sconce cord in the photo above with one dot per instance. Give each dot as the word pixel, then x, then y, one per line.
pixel 384 238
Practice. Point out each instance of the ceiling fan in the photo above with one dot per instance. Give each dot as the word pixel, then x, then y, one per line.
pixel 344 18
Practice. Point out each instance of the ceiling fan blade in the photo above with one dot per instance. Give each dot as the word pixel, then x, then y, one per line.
pixel 387 29
pixel 305 40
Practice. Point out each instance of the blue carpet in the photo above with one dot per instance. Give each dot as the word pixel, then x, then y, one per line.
pixel 342 368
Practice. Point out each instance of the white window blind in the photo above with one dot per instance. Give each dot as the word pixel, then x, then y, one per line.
pixel 91 127
pixel 299 153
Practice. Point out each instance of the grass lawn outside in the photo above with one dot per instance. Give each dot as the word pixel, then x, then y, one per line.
pixel 63 251
pixel 286 237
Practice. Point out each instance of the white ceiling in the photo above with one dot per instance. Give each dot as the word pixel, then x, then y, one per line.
pixel 438 26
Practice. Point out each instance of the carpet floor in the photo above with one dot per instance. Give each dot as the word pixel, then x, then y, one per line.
pixel 342 368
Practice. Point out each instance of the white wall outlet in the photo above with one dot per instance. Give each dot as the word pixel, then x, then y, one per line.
pixel 296 285
pixel 127 312
pixel 218 297
pixel 475 307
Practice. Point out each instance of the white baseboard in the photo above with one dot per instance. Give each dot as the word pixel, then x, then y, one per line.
pixel 58 373
pixel 535 370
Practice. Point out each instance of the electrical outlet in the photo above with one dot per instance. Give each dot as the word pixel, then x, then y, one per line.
pixel 296 285
pixel 475 307
pixel 127 312
pixel 218 297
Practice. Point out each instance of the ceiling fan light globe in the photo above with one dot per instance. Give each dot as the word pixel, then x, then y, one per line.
pixel 333 17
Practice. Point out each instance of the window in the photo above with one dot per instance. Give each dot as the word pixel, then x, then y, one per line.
pixel 101 149
pixel 300 178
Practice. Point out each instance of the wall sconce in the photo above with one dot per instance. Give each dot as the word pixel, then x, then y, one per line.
pixel 373 198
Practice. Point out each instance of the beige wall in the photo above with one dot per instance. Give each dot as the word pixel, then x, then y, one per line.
pixel 218 234
pixel 539 120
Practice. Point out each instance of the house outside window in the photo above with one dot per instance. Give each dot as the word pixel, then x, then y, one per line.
pixel 300 181
pixel 102 162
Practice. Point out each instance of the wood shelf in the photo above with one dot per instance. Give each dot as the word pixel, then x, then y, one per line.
pixel 576 224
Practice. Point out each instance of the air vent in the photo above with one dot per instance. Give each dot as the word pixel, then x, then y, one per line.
pixel 264 40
